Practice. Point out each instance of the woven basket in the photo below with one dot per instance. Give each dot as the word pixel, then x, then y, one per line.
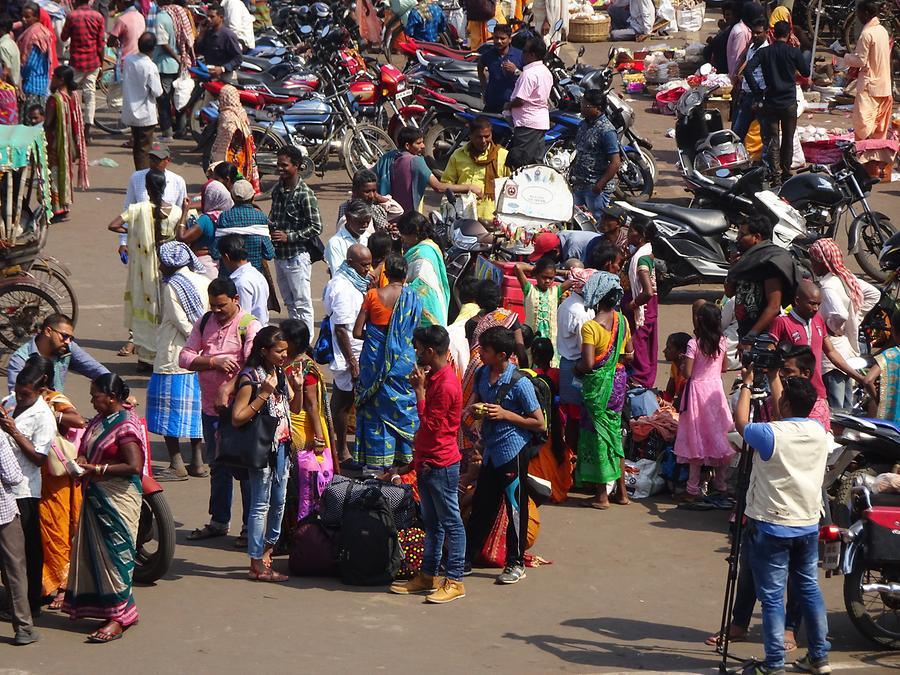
pixel 588 30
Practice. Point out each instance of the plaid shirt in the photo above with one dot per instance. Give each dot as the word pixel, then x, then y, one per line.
pixel 296 212
pixel 10 475
pixel 86 28
pixel 256 245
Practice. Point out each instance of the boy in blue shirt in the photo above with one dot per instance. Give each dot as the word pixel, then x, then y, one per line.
pixel 511 412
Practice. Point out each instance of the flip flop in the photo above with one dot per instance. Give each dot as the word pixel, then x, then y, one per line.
pixel 713 640
pixel 94 638
pixel 202 473
pixel 127 349
pixel 206 532
pixel 169 475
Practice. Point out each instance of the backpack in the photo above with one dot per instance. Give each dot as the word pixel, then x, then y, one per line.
pixel 243 324
pixel 369 552
pixel 545 399
pixel 323 349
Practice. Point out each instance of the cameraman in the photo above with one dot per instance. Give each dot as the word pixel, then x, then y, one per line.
pixel 784 499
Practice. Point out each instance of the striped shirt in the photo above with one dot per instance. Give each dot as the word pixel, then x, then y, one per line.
pixel 36 73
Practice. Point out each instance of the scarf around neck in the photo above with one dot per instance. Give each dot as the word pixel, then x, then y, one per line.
pixel 359 282
pixel 491 167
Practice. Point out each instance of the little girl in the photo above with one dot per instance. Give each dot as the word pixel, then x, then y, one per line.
pixel 705 418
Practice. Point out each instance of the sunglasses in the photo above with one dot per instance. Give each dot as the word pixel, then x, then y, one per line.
pixel 66 337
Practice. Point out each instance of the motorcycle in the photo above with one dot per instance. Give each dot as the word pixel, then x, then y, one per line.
pixel 155 542
pixel 694 245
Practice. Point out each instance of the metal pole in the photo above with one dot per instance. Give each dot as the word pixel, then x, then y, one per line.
pixel 812 59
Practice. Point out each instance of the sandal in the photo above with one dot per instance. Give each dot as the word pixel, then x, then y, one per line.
pixel 57 602
pixel 169 474
pixel 268 575
pixel 206 532
pixel 201 472
pixel 715 639
pixel 127 349
pixel 102 636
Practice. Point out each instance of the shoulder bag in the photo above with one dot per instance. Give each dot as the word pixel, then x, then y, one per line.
pixel 250 445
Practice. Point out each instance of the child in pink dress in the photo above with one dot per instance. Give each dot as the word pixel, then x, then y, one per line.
pixel 705 419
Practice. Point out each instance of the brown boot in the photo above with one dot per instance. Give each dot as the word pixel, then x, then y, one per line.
pixel 421 583
pixel 450 591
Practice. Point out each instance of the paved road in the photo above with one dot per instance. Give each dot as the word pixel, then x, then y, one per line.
pixel 633 588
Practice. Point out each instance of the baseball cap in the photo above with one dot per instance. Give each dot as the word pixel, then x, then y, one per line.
pixel 613 211
pixel 543 243
pixel 160 151
pixel 243 191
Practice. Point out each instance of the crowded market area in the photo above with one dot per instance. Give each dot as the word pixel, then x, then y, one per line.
pixel 453 297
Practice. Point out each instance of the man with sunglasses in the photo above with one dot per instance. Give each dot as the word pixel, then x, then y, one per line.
pixel 55 341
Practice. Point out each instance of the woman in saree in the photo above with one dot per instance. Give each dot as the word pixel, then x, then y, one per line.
pixel 886 372
pixel 148 224
pixel 606 347
pixel 60 495
pixel 112 455
pixel 234 140
pixel 640 303
pixel 311 427
pixel 199 233
pixel 386 414
pixel 427 274
pixel 66 149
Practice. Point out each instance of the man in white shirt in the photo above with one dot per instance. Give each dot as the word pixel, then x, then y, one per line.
pixel 140 89
pixel 846 299
pixel 570 317
pixel 356 229
pixel 252 287
pixel 342 300
pixel 240 21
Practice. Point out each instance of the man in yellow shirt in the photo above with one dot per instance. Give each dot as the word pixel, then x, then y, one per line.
pixel 479 162
pixel 872 107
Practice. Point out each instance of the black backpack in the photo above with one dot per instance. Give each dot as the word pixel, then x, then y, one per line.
pixel 369 550
pixel 544 397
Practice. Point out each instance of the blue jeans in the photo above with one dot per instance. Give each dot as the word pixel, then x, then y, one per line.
pixel 743 116
pixel 839 388
pixel 439 501
pixel 774 560
pixel 221 479
pixel 745 595
pixel 594 202
pixel 268 488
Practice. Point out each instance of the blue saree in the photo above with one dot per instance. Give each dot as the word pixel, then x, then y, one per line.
pixel 386 414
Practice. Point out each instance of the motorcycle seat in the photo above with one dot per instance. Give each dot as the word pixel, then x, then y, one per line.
pixel 885 499
pixel 455 67
pixel 468 100
pixel 706 222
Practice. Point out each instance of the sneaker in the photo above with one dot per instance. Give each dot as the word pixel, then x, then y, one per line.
pixel 450 590
pixel 467 569
pixel 25 637
pixel 420 583
pixel 816 666
pixel 511 574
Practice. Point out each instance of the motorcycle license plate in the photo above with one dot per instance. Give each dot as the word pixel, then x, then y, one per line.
pixel 831 557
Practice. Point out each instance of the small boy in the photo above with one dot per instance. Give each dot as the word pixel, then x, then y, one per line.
pixel 35 115
pixel 541 298
pixel 674 352
pixel 436 460
pixel 511 413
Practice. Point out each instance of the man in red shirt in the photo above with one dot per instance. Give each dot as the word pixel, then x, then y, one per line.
pixel 86 30
pixel 804 326
pixel 436 460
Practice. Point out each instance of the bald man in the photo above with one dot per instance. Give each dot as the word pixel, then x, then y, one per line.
pixel 343 298
pixel 805 326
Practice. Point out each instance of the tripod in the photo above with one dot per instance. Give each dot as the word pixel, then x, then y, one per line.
pixel 757 395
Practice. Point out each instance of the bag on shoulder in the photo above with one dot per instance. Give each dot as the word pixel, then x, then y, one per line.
pixel 545 399
pixel 243 324
pixel 62 453
pixel 313 552
pixel 250 445
pixel 369 553
pixel 323 349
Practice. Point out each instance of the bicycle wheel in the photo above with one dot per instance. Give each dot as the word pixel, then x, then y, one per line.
pixel 364 146
pixel 55 279
pixel 108 114
pixel 267 145
pixel 23 306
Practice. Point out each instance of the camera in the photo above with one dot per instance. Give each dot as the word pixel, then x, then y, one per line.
pixel 763 354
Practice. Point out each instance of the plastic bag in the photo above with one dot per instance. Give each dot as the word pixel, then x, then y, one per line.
pixel 690 20
pixel 643 479
pixel 666 10
pixel 182 88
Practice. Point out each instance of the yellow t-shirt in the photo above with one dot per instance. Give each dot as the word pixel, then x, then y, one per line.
pixel 462 169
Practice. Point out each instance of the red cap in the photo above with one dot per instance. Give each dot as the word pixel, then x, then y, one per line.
pixel 543 243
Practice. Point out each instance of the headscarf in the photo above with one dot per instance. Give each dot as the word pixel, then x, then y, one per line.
pixel 359 282
pixel 780 13
pixel 36 35
pixel 579 277
pixel 827 252
pixel 177 255
pixel 184 35
pixel 216 198
pixel 232 119
pixel 598 286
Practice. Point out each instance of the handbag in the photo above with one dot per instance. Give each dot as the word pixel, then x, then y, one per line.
pixel 250 445
pixel 61 458
pixel 313 551
pixel 493 553
pixel 182 88
pixel 323 349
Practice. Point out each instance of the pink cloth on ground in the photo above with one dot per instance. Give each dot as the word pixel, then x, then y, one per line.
pixel 706 418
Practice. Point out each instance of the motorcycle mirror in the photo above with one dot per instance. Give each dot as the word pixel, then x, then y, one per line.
pixel 706 69
pixel 558 26
pixel 581 51
pixel 306 30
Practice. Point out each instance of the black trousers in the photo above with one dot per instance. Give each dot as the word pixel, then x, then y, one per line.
pixel 778 159
pixel 501 486
pixel 141 142
pixel 30 517
pixel 164 104
pixel 527 147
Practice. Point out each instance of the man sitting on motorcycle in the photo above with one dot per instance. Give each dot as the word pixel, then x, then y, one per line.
pixel 479 162
pixel 597 158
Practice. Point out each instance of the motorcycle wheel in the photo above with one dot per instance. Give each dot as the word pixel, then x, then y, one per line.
pixel 875 615
pixel 560 155
pixel 441 140
pixel 155 540
pixel 871 230
pixel 195 125
pixel 636 178
pixel 840 504
pixel 205 144
pixel 364 146
pixel 267 145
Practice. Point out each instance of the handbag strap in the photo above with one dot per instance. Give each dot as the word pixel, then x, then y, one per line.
pixel 59 453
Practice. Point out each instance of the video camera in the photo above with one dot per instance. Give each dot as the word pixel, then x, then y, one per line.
pixel 763 354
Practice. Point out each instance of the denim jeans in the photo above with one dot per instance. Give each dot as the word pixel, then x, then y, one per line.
pixel 839 388
pixel 774 560
pixel 439 500
pixel 594 202
pixel 743 116
pixel 268 488
pixel 221 480
pixel 294 276
pixel 745 596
